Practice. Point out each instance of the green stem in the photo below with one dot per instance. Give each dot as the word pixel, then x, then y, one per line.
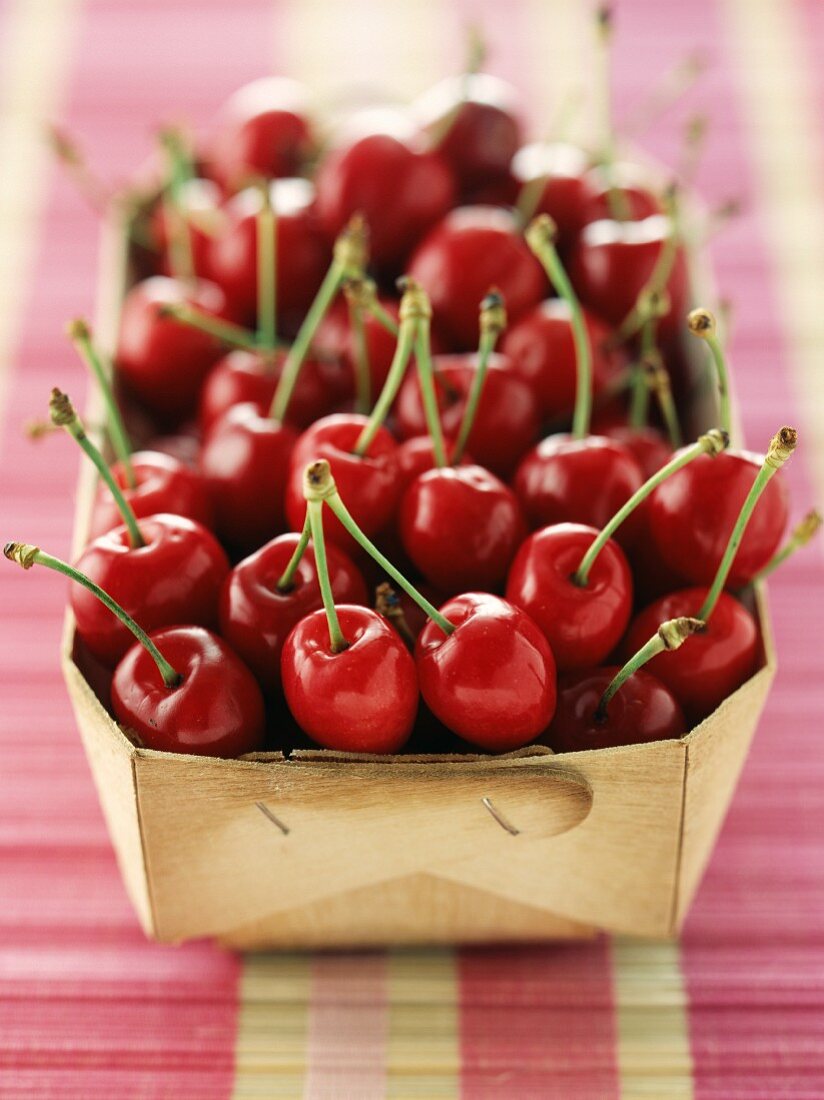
pixel 181 257
pixel 426 381
pixel 806 529
pixel 382 316
pixel 781 447
pixel 493 322
pixel 80 336
pixel 285 583
pixel 337 641
pixel 712 443
pixel 27 556
pixel 703 325
pixel 656 284
pixel 360 358
pixel 397 370
pixel 659 381
pixel 639 398
pixel 225 331
pixel 266 271
pixel 64 416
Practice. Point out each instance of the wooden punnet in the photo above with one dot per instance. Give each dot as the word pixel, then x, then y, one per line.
pixel 331 849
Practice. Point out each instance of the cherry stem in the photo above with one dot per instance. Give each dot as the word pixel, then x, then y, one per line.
pixel 286 582
pixel 181 257
pixel 703 325
pixel 670 635
pixel 388 604
pixel 96 193
pixel 225 331
pixel 81 337
pixel 782 445
pixel 668 91
pixel 26 556
pixel 475 57
pixel 426 380
pixel 540 236
pixel 348 262
pixel 616 198
pixel 711 443
pixel 656 284
pixel 314 511
pixel 658 380
pixel 492 324
pixel 639 398
pixel 365 293
pixel 360 353
pixel 63 415
pixel 803 533
pixel 695 137
pixel 266 270
pixel 413 309
pixel 319 476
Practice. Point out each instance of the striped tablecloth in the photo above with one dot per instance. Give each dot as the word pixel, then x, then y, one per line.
pixel 89 1009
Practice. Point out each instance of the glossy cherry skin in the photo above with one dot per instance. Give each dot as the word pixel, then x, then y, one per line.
pixel 482 129
pixel 567 186
pixel 161 361
pixel 175 578
pixel 245 461
pixel 216 709
pixel 472 249
pixel 415 456
pixel 262 130
pixel 243 376
pixel 506 422
pixel 256 617
pixel 636 190
pixel 368 486
pixel 650 449
pixel 200 201
pixel 692 514
pixel 301 253
pixel 363 699
pixel 612 262
pixel 461 528
pixel 583 624
pixel 400 192
pixel 642 710
pixel 576 480
pixel 711 664
pixel 163 485
pixel 334 339
pixel 492 681
pixel 541 348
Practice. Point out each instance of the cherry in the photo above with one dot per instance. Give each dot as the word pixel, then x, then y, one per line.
pixel 262 130
pixel 399 191
pixel 541 349
pixel 473 122
pixel 268 593
pixel 646 445
pixel 637 199
pixel 416 455
pixel 461 528
pixel 582 622
pixel 301 254
pixel 491 679
pixel 471 249
pixel 206 702
pixel 162 484
pixel 553 180
pixel 162 361
pixel 643 710
pixel 335 338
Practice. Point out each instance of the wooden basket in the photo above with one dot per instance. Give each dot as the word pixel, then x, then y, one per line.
pixel 327 849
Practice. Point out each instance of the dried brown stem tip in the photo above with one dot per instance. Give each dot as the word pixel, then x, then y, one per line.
pixel 360 292
pixel 37 429
pixel 715 441
pixel 701 323
pixel 351 251
pixel 808 527
pixel 674 632
pixel 78 329
pixel 782 445
pixel 541 232
pixel 415 304
pixel 318 483
pixel 22 553
pixel 62 146
pixel 604 19
pixel 653 304
pixel 493 313
pixel 61 409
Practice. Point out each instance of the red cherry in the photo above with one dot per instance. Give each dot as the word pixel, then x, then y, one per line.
pixel 302 256
pixel 566 188
pixel 400 193
pixel 215 710
pixel 638 200
pixel 541 348
pixel 461 528
pixel 175 578
pixel 245 461
pixel 262 131
pixel 369 486
pixel 642 710
pixel 163 362
pixel 473 119
pixel 163 485
pixel 613 261
pixel 334 338
pixel 363 699
pixel 583 623
pixel 499 190
pixel 200 207
pixel 506 421
pixel 183 446
pixel 691 517
pixel 256 616
pixel 416 455
pixel 243 376
pixel 472 249
pixel 492 681
pixel 713 663
pixel 576 480
pixel 650 449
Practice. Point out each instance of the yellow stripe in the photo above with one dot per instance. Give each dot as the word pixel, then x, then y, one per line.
pixel 423 1053
pixel 653 1053
pixel 33 67
pixel 785 145
pixel 270 1048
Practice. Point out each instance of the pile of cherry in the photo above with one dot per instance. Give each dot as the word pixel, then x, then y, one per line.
pixel 412 470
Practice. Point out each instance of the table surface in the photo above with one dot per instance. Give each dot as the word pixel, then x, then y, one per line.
pixel 88 1008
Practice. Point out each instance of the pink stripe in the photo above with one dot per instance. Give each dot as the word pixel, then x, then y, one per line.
pixel 348 1028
